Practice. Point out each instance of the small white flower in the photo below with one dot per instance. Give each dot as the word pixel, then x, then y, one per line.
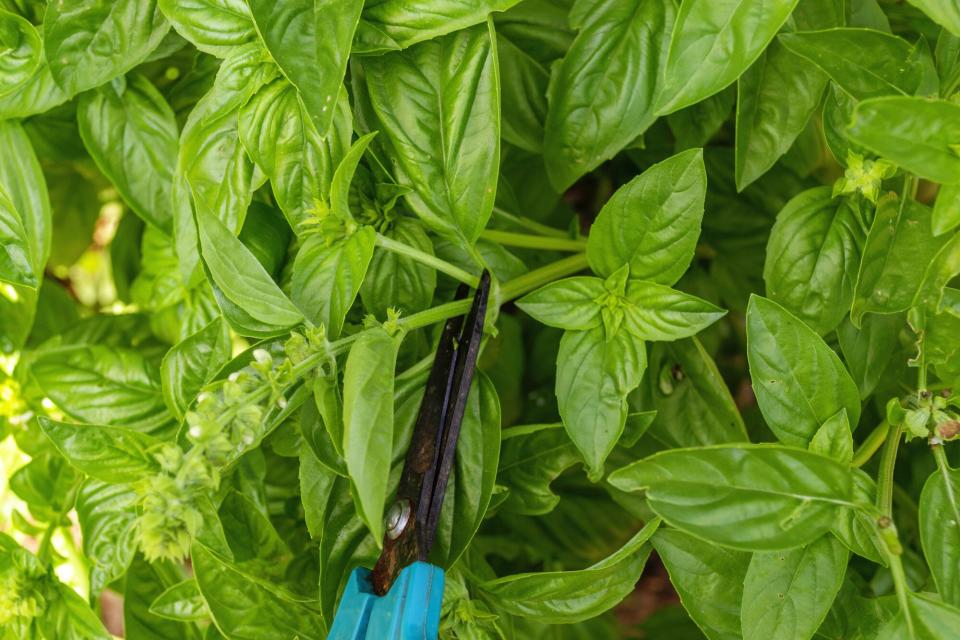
pixel 261 356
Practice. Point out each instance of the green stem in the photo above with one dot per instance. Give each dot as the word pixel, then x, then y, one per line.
pixel 535 279
pixel 900 584
pixel 888 461
pixel 944 467
pixel 427 259
pixel 530 225
pixel 527 241
pixel 871 445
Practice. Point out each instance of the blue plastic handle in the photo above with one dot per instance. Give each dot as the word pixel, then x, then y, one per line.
pixel 410 610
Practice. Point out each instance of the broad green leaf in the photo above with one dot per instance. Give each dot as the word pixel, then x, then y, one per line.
pixel 310 40
pixel 946 13
pixel 437 107
pixel 799 381
pixel 946 209
pixel 925 619
pixel 940 531
pixel 693 403
pixel 343 177
pixel 866 351
pixel 786 594
pixel 241 279
pixel 38 94
pixel 838 109
pixel 100 384
pixel 247 607
pixel 708 578
pixel 192 363
pixel 919 134
pixel 107 515
pixel 213 26
pixel 182 602
pixel 474 473
pixel 130 131
pixel 898 250
pixel 398 281
pixel 47 485
pixel 22 181
pixel 812 257
pixel 109 454
pixel 144 583
pixel 220 175
pixel 327 277
pixel 16 260
pixel 368 423
pixel 254 543
pixel 657 312
pixel 89 42
pixel 316 481
pixel 833 439
pixel 590 119
pixel 22 52
pixel 938 274
pixel 529 462
pixel 563 597
pixel 398 24
pixel 571 303
pixel 276 132
pixel 788 497
pixel 713 43
pixel 777 95
pixel 69 617
pixel 856 526
pixel 695 125
pixel 865 63
pixel 652 223
pixel 594 376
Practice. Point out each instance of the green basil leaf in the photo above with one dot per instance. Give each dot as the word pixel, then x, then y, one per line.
pixel 213 26
pixel 16 261
pixel 712 44
pixel 181 602
pixel 657 312
pixel 929 620
pixel 686 388
pixel 438 108
pixel 276 132
pixel 898 250
pixel 144 583
pixel 529 462
pixel 919 134
pixel 474 473
pixel 69 617
pixel 589 118
pixel 107 514
pixel 812 256
pixel 865 63
pixel 837 113
pixel 695 125
pixel 856 526
pixel 242 279
pixel 834 439
pixel 89 42
pixel 789 496
pixel 192 363
pixel 343 177
pixel 594 376
pixel 22 52
pixel 708 578
pixel 368 423
pixel 397 281
pixel 220 175
pixel 946 209
pixel 245 606
pixel 130 131
pixel 799 381
pixel 777 95
pixel 652 223
pixel 570 303
pixel 946 14
pixel 563 597
pixel 109 454
pixel 46 484
pixel 866 351
pixel 104 385
pixel 38 94
pixel 327 278
pixel 310 41
pixel 940 532
pixel 398 24
pixel 22 181
pixel 787 594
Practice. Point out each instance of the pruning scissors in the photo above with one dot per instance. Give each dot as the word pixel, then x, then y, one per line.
pixel 400 598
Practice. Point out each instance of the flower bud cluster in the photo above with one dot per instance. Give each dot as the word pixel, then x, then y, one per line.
pixel 23 583
pixel 927 416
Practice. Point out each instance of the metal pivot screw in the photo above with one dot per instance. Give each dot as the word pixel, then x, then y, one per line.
pixel 397 518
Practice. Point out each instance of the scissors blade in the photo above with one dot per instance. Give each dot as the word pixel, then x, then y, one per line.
pixel 429 459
